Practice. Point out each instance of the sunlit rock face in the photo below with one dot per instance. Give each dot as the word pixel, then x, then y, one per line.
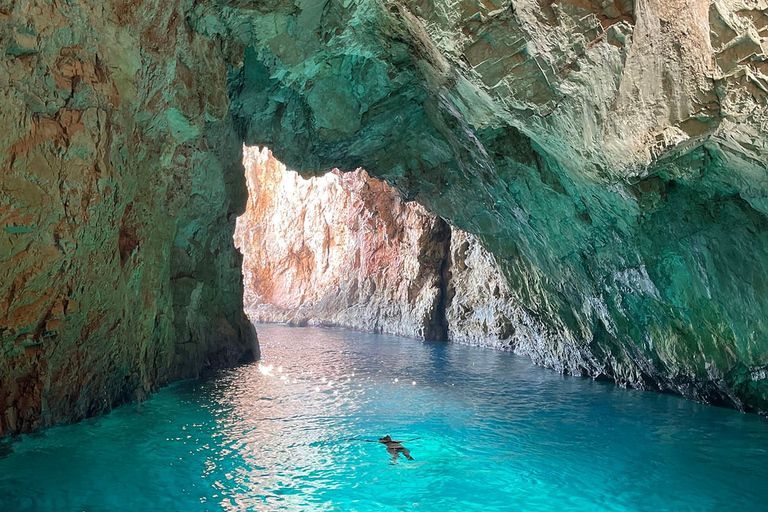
pixel 611 157
pixel 342 249
pixel 119 188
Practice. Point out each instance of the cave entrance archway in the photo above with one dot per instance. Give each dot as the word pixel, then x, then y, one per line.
pixel 340 249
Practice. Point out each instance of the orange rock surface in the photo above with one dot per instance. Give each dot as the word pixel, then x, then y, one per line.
pixel 340 249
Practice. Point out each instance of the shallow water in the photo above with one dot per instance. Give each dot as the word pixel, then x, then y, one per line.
pixel 496 434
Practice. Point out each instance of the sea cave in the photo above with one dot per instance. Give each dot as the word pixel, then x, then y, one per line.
pixel 243 243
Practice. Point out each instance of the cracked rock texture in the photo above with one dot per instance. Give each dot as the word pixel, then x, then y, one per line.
pixel 610 155
pixel 119 189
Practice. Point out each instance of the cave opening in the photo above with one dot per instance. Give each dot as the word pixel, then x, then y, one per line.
pixel 344 249
pixel 341 249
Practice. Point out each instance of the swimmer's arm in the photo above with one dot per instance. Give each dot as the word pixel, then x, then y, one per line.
pixel 408 440
pixel 364 440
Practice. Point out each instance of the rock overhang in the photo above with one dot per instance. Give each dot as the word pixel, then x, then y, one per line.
pixel 609 157
pixel 612 157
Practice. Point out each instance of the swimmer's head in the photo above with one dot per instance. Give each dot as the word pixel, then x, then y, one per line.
pixel 385 439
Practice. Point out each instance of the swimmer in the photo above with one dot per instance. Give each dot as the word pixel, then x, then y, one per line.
pixel 394 448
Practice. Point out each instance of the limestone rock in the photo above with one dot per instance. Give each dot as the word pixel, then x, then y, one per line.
pixel 119 188
pixel 345 250
pixel 340 250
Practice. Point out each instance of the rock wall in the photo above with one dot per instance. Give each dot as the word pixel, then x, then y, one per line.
pixel 345 250
pixel 610 155
pixel 119 187
pixel 341 250
pixel 482 310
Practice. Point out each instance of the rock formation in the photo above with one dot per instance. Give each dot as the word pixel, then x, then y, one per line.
pixel 342 250
pixel 611 155
pixel 120 184
pixel 345 250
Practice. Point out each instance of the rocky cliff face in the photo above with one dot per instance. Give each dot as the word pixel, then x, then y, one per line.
pixel 610 155
pixel 343 250
pixel 119 188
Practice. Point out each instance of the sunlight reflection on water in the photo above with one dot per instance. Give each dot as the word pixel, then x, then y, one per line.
pixel 496 433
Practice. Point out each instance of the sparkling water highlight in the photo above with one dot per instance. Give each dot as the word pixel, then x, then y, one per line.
pixel 495 434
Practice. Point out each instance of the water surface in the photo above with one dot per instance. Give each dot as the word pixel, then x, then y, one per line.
pixel 497 433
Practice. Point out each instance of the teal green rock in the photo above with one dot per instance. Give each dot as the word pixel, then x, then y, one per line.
pixel 612 160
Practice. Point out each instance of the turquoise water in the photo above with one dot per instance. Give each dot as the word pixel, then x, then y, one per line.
pixel 496 434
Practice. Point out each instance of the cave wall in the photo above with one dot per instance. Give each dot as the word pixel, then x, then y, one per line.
pixel 611 156
pixel 343 249
pixel 120 184
pixel 340 250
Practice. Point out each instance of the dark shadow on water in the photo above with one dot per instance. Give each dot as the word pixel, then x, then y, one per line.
pixel 6 448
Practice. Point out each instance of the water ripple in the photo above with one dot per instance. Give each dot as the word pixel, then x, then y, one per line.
pixel 496 433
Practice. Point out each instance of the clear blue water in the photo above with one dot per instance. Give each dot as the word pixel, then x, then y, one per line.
pixel 497 433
